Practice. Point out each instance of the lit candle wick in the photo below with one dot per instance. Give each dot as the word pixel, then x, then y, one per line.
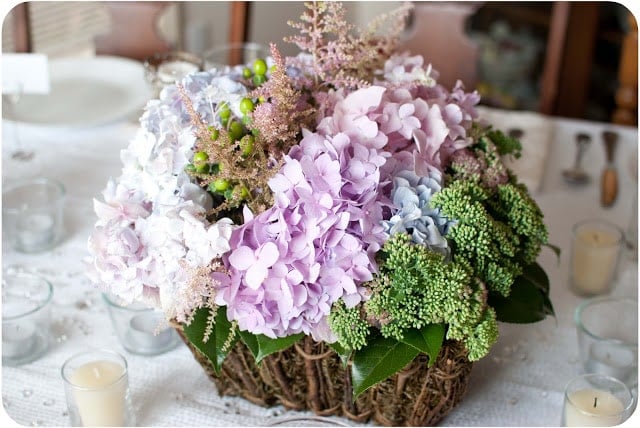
pixel 595 401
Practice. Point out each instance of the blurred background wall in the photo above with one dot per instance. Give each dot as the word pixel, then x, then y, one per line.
pixel 576 59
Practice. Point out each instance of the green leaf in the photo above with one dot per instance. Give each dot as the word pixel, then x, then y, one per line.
pixel 251 341
pixel 214 348
pixel 342 352
pixel 528 301
pixel 537 276
pixel 428 340
pixel 261 345
pixel 380 358
pixel 555 249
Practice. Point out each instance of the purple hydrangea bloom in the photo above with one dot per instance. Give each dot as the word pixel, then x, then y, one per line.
pixel 316 245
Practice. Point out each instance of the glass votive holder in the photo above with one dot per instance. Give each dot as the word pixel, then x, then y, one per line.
pixel 608 337
pixel 596 400
pixel 141 329
pixel 307 421
pixel 232 54
pixel 164 69
pixel 96 387
pixel 595 251
pixel 33 214
pixel 26 317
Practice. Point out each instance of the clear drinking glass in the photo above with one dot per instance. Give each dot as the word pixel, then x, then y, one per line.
pixel 233 54
pixel 608 337
pixel 26 317
pixel 307 421
pixel 164 69
pixel 140 328
pixel 33 214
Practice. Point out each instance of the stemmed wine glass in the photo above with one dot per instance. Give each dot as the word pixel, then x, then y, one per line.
pixel 10 100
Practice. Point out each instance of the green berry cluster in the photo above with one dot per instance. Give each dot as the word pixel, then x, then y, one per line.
pixel 258 73
pixel 225 187
pixel 238 134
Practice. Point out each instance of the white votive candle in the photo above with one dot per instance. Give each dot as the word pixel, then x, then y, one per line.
pixel 100 393
pixel 595 250
pixel 145 332
pixel 592 408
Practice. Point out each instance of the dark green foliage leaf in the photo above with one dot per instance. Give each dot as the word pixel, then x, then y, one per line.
pixel 428 340
pixel 251 341
pixel 537 276
pixel 213 348
pixel 381 358
pixel 528 301
pixel 261 345
pixel 555 249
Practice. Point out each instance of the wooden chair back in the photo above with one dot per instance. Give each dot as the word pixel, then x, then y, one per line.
pixel 134 30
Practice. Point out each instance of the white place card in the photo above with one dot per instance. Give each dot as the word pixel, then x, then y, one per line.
pixel 25 73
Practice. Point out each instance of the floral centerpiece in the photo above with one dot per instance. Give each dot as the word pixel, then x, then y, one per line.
pixel 328 229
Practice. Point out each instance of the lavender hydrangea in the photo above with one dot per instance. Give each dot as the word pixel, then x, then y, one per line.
pixel 425 123
pixel 316 245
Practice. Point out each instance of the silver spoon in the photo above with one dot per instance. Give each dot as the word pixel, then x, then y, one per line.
pixel 577 175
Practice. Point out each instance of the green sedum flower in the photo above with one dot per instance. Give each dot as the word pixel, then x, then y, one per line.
pixel 415 287
pixel 500 228
pixel 352 330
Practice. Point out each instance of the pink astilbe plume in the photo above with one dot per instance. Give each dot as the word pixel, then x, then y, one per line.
pixel 284 110
pixel 341 55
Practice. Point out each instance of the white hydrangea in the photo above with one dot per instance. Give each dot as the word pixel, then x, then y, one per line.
pixel 152 231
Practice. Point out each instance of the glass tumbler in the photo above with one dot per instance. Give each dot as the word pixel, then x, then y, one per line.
pixel 233 54
pixel 33 214
pixel 141 329
pixel 26 317
pixel 164 69
pixel 607 330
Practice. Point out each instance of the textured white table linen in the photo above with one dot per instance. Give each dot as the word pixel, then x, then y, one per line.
pixel 519 384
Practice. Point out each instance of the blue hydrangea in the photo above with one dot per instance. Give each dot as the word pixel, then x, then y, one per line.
pixel 413 213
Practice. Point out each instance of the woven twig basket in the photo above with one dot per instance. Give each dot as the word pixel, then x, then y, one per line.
pixel 310 376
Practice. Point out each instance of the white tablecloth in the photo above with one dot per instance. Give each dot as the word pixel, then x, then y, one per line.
pixel 520 383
